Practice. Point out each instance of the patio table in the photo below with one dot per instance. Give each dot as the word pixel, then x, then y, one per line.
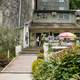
pixel 57 48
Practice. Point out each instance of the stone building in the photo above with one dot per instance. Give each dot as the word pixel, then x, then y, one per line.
pixel 38 17
pixel 52 17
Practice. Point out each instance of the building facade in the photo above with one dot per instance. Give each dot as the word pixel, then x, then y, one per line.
pixel 36 18
pixel 52 17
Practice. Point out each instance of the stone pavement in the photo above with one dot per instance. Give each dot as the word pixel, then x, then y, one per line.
pixel 19 69
pixel 15 77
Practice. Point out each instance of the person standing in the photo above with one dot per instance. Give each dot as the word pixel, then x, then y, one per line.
pixel 50 38
pixel 38 41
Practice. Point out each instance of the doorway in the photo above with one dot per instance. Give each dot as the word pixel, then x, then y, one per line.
pixel 40 38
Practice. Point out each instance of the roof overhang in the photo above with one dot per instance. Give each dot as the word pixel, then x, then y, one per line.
pixel 58 11
pixel 54 27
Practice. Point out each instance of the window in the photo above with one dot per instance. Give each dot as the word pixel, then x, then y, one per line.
pixel 61 0
pixel 61 8
pixel 44 4
pixel 61 16
pixel 60 4
pixel 44 0
pixel 56 34
pixel 66 16
pixel 77 34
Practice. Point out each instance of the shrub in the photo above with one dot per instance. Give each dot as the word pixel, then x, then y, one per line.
pixel 3 55
pixel 45 71
pixel 4 60
pixel 1 68
pixel 50 48
pixel 67 68
pixel 8 39
pixel 40 56
pixel 36 64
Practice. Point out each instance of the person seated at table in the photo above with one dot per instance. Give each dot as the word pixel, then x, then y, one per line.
pixel 50 38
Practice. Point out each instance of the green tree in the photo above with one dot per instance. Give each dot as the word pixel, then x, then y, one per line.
pixel 74 4
pixel 8 39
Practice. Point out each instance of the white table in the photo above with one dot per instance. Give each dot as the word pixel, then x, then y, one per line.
pixel 59 47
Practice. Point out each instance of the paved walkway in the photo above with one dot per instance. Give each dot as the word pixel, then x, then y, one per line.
pixel 15 77
pixel 19 69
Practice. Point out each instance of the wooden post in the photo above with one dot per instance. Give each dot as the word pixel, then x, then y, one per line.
pixel 8 55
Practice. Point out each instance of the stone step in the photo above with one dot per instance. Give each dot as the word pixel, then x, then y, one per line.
pixel 29 52
pixel 32 49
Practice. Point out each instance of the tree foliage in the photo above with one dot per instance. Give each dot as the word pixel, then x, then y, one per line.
pixel 67 68
pixel 8 38
pixel 75 4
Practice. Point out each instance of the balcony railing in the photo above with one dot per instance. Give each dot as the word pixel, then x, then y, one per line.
pixel 50 16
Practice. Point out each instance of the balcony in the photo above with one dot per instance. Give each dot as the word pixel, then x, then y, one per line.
pixel 52 16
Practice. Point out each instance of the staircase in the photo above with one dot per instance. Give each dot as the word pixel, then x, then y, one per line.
pixel 31 50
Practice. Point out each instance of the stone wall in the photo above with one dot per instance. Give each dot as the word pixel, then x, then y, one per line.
pixel 1 16
pixel 11 10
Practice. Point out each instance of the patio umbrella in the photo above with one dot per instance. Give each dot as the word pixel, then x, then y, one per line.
pixel 67 35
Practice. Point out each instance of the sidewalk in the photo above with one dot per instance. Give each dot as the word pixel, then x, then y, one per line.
pixel 19 69
pixel 15 77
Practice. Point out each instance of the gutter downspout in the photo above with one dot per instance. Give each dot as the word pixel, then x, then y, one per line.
pixel 19 23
